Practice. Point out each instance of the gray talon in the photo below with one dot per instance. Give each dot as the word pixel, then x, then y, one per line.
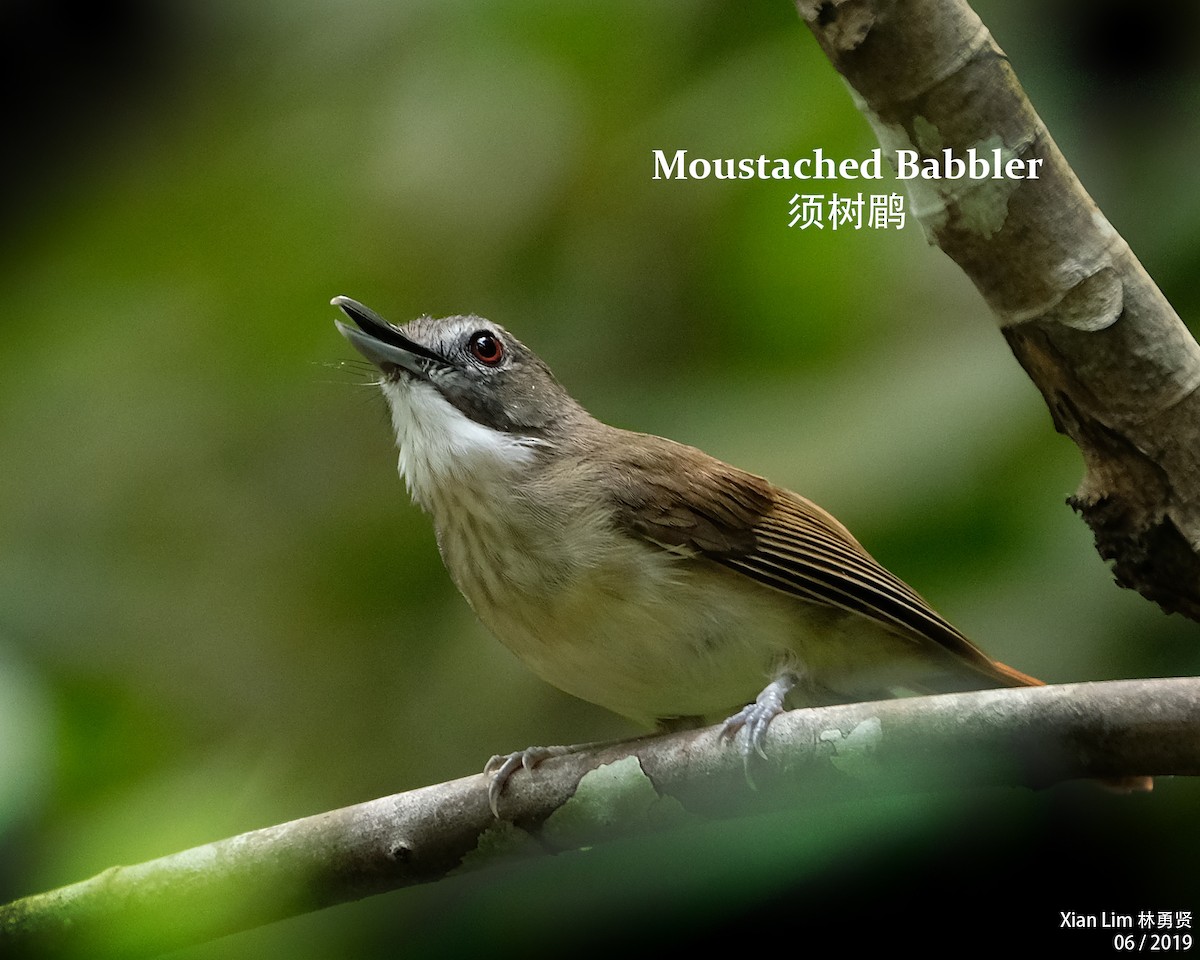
pixel 503 765
pixel 756 717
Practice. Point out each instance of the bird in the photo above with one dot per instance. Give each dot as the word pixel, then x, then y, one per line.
pixel 635 572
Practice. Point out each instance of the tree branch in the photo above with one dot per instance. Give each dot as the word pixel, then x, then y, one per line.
pixel 1117 367
pixel 1033 736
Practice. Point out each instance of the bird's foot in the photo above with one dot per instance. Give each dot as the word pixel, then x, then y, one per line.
pixel 502 766
pixel 500 769
pixel 756 717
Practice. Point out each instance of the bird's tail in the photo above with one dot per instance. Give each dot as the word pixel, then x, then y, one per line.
pixel 1008 677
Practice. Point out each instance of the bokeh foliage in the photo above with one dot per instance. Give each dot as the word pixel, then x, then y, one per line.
pixel 218 609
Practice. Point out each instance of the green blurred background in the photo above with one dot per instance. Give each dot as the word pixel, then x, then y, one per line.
pixel 218 609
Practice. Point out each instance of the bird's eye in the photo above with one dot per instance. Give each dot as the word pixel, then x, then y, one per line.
pixel 486 348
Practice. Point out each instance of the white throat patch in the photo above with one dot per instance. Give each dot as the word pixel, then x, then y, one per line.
pixel 440 447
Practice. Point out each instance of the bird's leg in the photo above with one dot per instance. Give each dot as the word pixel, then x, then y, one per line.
pixel 756 717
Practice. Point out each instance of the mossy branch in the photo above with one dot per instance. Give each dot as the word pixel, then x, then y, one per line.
pixel 1032 736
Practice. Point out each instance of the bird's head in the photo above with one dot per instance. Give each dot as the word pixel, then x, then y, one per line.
pixel 466 396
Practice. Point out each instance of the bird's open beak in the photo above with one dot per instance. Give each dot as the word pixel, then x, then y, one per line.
pixel 380 342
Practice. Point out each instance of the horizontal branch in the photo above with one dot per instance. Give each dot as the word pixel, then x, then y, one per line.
pixel 1031 736
pixel 1117 367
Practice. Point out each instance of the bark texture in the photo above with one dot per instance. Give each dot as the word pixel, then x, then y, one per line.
pixel 1032 736
pixel 1117 367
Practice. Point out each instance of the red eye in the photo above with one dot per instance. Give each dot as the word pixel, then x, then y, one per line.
pixel 486 348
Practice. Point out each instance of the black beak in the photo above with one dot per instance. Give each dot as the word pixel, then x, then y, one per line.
pixel 380 342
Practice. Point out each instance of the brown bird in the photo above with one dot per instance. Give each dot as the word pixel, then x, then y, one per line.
pixel 635 572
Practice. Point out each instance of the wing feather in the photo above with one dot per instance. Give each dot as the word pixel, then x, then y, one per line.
pixel 711 510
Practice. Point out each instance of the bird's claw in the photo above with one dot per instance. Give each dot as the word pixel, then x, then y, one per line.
pixel 502 766
pixel 756 720
pixel 756 717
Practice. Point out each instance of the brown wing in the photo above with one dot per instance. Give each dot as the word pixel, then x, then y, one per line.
pixel 686 501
